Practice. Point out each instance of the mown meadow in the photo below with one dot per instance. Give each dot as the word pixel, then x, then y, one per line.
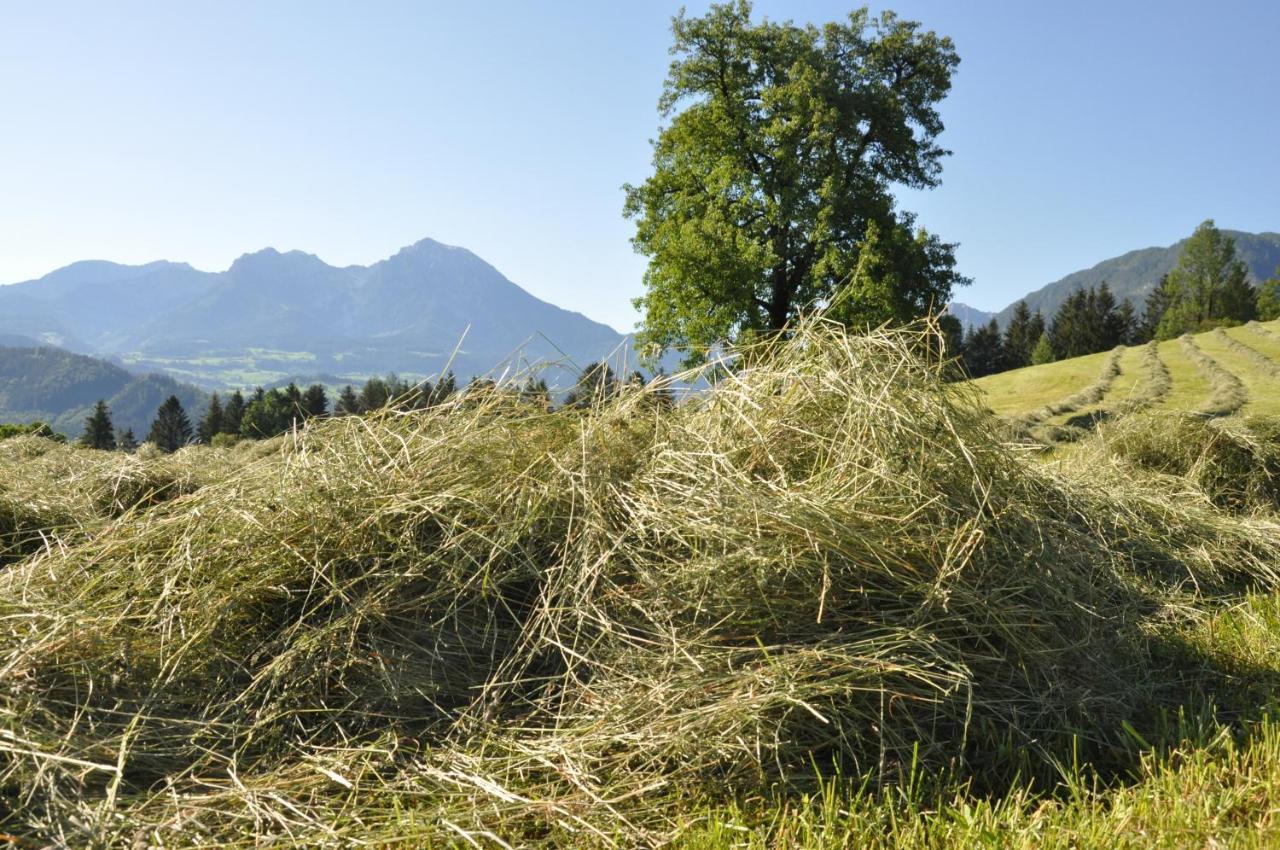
pixel 831 601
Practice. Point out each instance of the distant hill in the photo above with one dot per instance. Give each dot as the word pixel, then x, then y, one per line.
pixel 1136 273
pixel 272 315
pixel 55 386
pixel 969 316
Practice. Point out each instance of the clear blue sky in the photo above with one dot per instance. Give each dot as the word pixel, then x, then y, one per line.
pixel 136 131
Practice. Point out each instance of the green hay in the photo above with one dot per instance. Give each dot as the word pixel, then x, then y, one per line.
pixel 1235 464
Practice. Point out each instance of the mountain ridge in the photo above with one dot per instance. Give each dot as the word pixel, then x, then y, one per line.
pixel 272 313
pixel 1135 273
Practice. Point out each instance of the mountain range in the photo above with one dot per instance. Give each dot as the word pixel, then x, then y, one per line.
pixel 272 315
pixel 1132 275
pixel 275 316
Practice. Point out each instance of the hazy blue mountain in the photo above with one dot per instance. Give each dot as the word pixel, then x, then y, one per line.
pixel 59 387
pixel 1136 273
pixel 272 315
pixel 969 316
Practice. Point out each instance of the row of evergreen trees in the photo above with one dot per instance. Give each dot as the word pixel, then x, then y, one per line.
pixel 1209 288
pixel 1089 321
pixel 268 413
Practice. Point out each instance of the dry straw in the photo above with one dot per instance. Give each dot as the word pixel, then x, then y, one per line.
pixel 490 624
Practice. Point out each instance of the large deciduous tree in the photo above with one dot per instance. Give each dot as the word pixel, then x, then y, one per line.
pixel 773 176
pixel 1209 286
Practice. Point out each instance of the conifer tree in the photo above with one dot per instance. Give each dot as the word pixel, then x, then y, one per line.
pixel 1018 339
pixel 126 442
pixel 1104 323
pixel 1127 324
pixel 596 383
pixel 296 411
pixel 171 429
pixel 1153 310
pixel 98 433
pixel 984 350
pixel 952 336
pixel 211 423
pixel 348 404
pixel 373 395
pixel 1043 352
pixel 315 401
pixel 536 394
pixel 269 414
pixel 1269 298
pixel 233 413
pixel 444 388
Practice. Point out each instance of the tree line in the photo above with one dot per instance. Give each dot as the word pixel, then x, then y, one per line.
pixel 269 413
pixel 1209 288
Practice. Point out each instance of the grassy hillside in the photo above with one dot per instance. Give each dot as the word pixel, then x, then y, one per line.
pixel 1232 372
pixel 825 604
pixel 47 384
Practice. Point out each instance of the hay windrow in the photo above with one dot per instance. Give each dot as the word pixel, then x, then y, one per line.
pixel 1226 392
pixel 1262 331
pixel 486 619
pixel 1234 464
pixel 1091 394
pixel 1259 360
pixel 1157 385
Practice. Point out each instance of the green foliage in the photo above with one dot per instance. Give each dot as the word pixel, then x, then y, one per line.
pixel 211 424
pixel 1209 287
pixel 315 401
pixel 1021 336
pixel 348 403
pixel 1089 321
pixel 1043 352
pixel 171 429
pixel 984 351
pixel 596 384
pixel 1158 301
pixel 98 431
pixel 269 414
pixel 126 441
pixel 225 441
pixel 233 414
pixel 1269 298
pixel 37 429
pixel 772 183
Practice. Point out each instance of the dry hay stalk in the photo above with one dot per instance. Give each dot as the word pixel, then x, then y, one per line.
pixel 488 622
pixel 1227 394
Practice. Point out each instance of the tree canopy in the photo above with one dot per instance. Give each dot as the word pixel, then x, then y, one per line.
pixel 773 177
pixel 1209 286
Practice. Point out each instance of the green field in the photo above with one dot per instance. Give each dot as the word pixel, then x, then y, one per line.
pixel 829 602
pixel 1020 393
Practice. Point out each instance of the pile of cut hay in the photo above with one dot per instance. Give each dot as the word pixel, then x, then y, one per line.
pixel 489 623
